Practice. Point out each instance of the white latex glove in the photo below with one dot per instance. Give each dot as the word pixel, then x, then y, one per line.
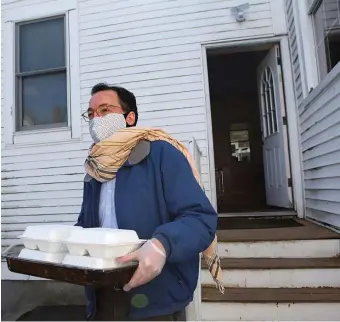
pixel 151 257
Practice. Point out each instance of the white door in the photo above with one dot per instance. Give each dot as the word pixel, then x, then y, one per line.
pixel 275 147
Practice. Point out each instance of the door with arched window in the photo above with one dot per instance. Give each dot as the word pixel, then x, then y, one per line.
pixel 275 147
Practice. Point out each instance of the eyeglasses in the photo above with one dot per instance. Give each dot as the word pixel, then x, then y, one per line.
pixel 101 111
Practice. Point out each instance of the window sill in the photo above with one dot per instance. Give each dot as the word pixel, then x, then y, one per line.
pixel 43 136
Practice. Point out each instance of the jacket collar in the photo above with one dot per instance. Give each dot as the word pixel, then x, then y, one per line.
pixel 140 152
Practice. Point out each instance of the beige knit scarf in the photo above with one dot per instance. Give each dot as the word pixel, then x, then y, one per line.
pixel 106 158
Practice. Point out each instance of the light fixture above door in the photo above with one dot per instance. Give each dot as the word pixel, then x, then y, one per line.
pixel 238 11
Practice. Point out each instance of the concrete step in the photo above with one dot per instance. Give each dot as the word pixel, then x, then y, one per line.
pixel 263 304
pixel 275 273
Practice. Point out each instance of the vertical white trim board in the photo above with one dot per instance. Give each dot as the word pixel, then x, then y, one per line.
pixel 294 138
pixel 210 139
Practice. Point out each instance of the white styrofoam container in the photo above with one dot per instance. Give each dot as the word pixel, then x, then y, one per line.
pixel 45 245
pixel 103 236
pixel 37 255
pixel 113 251
pixel 50 232
pixel 47 238
pixel 30 243
pixel 92 262
pixel 103 251
pixel 77 249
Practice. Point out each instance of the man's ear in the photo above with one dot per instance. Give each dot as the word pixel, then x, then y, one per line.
pixel 131 119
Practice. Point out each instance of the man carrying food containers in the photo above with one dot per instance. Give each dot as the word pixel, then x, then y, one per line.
pixel 141 179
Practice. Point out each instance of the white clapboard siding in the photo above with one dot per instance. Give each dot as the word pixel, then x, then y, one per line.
pixel 34 195
pixel 142 79
pixel 151 47
pixel 52 156
pixel 13 4
pixel 169 30
pixel 154 83
pixel 32 189
pixel 42 180
pixel 47 164
pixel 17 152
pixel 42 172
pixel 294 39
pixel 320 137
pixel 46 210
pixel 256 29
pixel 21 222
pixel 138 16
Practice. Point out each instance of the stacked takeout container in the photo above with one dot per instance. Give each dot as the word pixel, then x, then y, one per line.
pixel 96 248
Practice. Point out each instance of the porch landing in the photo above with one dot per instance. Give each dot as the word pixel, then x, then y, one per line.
pixel 256 229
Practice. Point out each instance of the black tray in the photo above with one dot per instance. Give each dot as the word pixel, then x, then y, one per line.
pixel 116 278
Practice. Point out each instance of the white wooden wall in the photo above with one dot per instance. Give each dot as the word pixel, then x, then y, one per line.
pixel 319 118
pixel 320 136
pixel 151 47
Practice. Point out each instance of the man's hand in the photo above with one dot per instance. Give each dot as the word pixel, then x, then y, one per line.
pixel 151 257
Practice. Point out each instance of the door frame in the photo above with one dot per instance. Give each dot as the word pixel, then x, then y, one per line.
pixel 291 110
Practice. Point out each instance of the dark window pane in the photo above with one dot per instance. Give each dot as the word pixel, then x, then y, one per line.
pixel 42 45
pixel 44 99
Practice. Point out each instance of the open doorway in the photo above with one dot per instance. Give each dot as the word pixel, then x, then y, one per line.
pixel 249 130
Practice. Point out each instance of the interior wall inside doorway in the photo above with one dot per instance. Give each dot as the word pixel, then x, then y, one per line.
pixel 237 134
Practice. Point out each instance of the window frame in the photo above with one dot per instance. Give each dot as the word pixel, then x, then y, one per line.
pixel 322 67
pixel 41 134
pixel 19 77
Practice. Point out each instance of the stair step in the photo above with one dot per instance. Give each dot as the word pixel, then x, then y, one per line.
pixel 257 214
pixel 272 295
pixel 282 274
pixel 277 263
pixel 298 311
pixel 265 304
pixel 280 249
pixel 275 278
pixel 237 222
pixel 307 231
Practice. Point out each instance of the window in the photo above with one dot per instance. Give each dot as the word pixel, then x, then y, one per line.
pixel 41 66
pixel 41 74
pixel 326 20
pixel 239 141
pixel 268 107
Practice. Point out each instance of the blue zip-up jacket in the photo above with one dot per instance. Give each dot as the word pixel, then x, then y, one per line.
pixel 159 197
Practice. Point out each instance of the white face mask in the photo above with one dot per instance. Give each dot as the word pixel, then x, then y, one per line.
pixel 103 127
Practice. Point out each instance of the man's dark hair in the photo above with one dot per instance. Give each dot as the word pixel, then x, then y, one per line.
pixel 126 98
